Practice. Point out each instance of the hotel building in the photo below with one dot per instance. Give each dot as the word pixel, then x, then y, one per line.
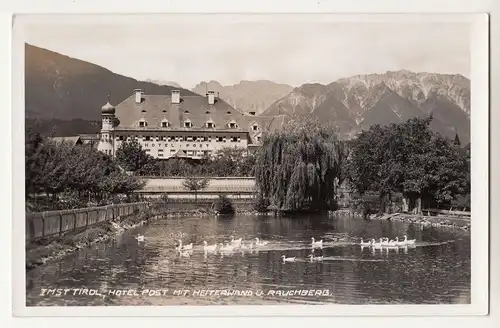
pixel 181 126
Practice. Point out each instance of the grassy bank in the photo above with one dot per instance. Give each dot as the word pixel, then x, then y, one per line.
pixel 440 221
pixel 40 251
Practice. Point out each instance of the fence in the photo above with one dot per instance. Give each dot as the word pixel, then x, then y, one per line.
pixel 44 224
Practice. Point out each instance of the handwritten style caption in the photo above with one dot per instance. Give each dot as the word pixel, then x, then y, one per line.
pixel 60 292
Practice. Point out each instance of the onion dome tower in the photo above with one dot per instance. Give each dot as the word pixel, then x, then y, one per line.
pixel 106 142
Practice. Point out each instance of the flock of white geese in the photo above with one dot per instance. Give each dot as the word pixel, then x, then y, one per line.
pixel 385 242
pixel 238 244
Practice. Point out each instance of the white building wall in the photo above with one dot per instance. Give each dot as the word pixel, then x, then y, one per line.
pixel 165 146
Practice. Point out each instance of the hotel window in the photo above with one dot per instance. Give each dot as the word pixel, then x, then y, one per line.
pixel 232 125
pixel 188 124
pixel 165 124
pixel 258 138
pixel 190 139
pixel 160 154
pixel 143 123
pixel 234 139
pixel 255 127
pixel 210 125
pixel 147 138
pixel 172 150
pixel 194 138
pixel 205 138
pixel 219 139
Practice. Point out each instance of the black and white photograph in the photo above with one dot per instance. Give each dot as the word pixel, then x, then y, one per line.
pixel 220 160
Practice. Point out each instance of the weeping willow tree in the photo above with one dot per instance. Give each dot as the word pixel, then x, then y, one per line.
pixel 298 168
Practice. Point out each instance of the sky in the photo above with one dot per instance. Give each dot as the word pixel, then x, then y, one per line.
pixel 189 49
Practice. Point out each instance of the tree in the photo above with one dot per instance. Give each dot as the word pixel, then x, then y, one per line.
pixel 297 169
pixel 409 158
pixel 223 205
pixel 261 204
pixel 456 142
pixel 132 157
pixel 195 184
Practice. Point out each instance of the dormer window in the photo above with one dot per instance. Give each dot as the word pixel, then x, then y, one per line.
pixel 210 124
pixel 142 123
pixel 255 127
pixel 165 123
pixel 188 124
pixel 232 125
pixel 228 112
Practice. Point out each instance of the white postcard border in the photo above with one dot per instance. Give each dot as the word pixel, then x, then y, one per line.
pixel 479 254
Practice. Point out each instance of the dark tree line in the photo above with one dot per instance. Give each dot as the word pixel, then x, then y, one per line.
pixel 426 168
pixel 302 167
pixel 226 162
pixel 61 175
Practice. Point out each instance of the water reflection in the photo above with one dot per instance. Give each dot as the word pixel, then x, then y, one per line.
pixel 434 270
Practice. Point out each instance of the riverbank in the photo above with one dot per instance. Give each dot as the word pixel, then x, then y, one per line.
pixel 41 251
pixel 44 250
pixel 440 221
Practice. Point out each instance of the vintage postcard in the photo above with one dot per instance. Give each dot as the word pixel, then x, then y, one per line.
pixel 188 163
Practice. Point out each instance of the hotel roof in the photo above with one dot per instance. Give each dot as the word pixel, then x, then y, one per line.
pixel 155 109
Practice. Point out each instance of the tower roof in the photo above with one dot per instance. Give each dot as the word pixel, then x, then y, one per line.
pixel 108 108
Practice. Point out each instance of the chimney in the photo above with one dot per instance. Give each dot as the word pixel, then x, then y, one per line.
pixel 176 97
pixel 138 96
pixel 211 97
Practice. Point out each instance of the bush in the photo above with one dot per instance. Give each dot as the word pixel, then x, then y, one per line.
pixel 224 205
pixel 164 198
pixel 261 204
pixel 365 204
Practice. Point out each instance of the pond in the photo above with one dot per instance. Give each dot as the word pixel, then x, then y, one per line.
pixel 125 271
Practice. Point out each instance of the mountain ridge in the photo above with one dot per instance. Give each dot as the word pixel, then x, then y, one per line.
pixel 65 88
pixel 247 96
pixel 382 98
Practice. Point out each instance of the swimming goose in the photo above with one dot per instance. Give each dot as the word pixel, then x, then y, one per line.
pixel 390 243
pixel 317 258
pixel 375 244
pixel 185 253
pixel 400 243
pixel 318 244
pixel 236 242
pixel 225 248
pixel 185 247
pixel 260 243
pixel 384 241
pixel 140 237
pixel 209 248
pixel 409 242
pixel 365 243
pixel 287 259
pixel 247 246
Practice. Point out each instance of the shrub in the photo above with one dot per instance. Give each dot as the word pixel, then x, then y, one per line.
pixel 224 205
pixel 261 204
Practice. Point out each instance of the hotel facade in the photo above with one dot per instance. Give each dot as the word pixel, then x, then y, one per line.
pixel 178 126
